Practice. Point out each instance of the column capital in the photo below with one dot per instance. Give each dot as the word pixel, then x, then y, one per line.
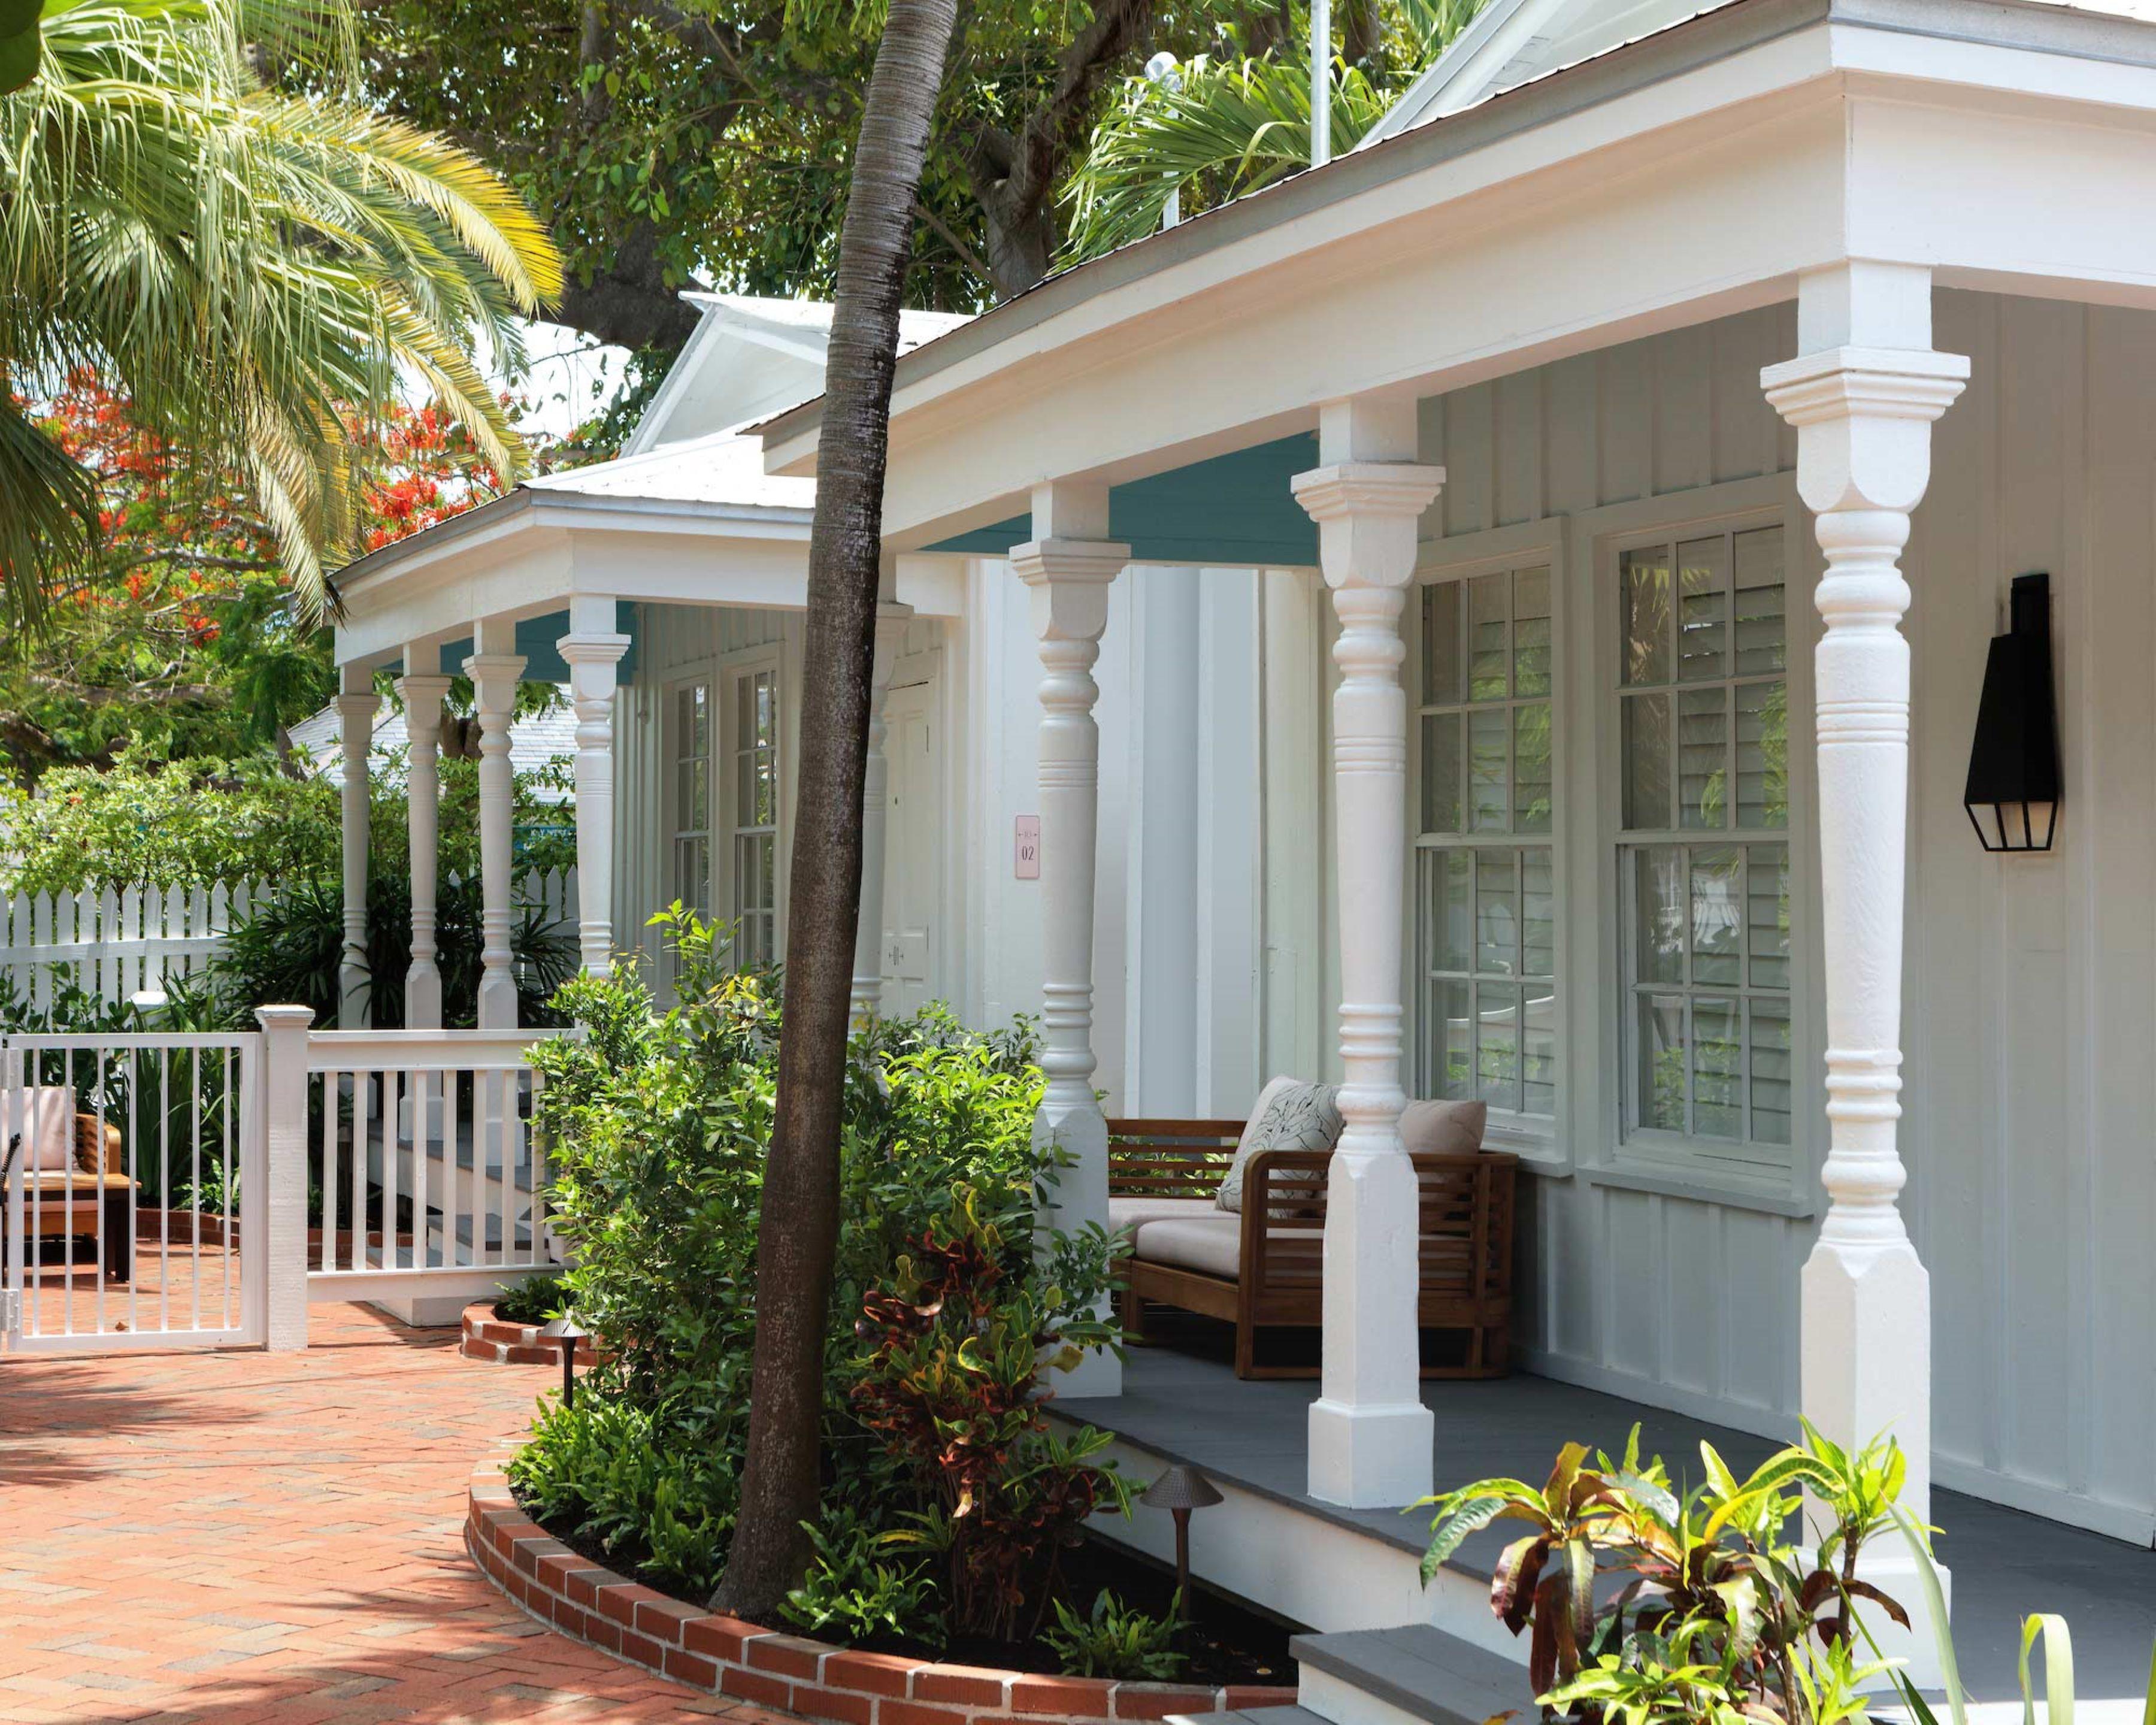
pixel 490 673
pixel 359 707
pixel 422 694
pixel 1367 514
pixel 581 650
pixel 1069 580
pixel 1863 418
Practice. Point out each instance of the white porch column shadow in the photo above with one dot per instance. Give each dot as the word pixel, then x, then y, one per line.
pixel 1370 1435
pixel 357 705
pixel 593 655
pixel 867 992
pixel 495 672
pixel 1863 397
pixel 1069 564
pixel 422 688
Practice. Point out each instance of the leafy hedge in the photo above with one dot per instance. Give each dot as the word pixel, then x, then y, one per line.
pixel 947 1500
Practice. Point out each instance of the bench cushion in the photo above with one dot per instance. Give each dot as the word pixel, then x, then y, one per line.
pixel 1211 1246
pixel 1129 1215
pixel 43 1115
pixel 1443 1128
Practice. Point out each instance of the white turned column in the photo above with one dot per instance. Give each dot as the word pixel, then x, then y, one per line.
pixel 422 688
pixel 356 705
pixel 495 673
pixel 1863 397
pixel 1069 564
pixel 1370 1435
pixel 891 618
pixel 593 655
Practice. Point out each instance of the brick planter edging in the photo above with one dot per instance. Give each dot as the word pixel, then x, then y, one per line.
pixel 767 1668
pixel 488 1337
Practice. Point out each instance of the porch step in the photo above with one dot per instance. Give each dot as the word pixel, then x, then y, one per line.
pixel 1255 1716
pixel 1416 1675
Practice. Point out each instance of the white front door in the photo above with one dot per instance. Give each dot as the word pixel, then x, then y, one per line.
pixel 913 867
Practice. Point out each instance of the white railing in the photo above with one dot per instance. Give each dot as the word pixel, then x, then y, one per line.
pixel 133 1190
pixel 118 942
pixel 432 1180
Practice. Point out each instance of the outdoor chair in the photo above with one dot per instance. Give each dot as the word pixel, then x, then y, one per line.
pixel 1264 1267
pixel 65 1203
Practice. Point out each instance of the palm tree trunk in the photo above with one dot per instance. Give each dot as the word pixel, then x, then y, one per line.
pixel 798 1237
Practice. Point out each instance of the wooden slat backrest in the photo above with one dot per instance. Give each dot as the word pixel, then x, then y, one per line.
pixel 1170 1159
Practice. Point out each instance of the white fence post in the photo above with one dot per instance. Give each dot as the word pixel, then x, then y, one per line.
pixel 284 1134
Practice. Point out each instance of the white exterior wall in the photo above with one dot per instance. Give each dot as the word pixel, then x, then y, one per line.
pixel 2029 1100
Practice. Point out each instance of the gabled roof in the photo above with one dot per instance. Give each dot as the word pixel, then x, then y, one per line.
pixel 749 358
pixel 1510 42
pixel 535 741
pixel 725 467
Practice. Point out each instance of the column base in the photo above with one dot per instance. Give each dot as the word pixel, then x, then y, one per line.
pixel 497 1003
pixel 1080 1196
pixel 1888 1565
pixel 1371 1457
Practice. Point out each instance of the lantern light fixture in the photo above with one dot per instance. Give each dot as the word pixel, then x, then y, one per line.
pixel 2014 779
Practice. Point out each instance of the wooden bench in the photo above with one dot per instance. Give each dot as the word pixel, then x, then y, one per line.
pixel 1271 1275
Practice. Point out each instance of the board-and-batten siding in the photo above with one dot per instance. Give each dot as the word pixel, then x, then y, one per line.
pixel 2030 1099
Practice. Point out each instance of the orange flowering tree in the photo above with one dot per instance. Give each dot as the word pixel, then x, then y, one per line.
pixel 178 631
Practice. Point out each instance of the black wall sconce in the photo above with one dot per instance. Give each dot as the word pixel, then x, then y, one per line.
pixel 2013 782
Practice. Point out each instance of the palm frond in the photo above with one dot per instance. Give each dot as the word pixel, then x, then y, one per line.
pixel 254 271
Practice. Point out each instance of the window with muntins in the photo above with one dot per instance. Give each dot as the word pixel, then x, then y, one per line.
pixel 1485 879
pixel 756 817
pixel 1703 860
pixel 691 882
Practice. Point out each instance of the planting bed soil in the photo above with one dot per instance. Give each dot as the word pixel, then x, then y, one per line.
pixel 1226 1642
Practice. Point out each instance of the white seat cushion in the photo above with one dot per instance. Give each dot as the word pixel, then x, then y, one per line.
pixel 1126 1215
pixel 1211 1246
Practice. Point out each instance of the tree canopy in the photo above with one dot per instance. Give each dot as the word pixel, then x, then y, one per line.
pixel 672 139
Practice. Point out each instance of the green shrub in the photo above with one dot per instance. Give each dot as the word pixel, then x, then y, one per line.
pixel 619 1475
pixel 1116 1641
pixel 852 1594
pixel 657 1128
pixel 1712 1613
pixel 537 1299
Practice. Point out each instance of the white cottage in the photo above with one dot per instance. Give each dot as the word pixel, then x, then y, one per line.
pixel 1513 604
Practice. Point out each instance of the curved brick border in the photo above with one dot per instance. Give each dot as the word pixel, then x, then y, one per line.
pixel 730 1657
pixel 487 1337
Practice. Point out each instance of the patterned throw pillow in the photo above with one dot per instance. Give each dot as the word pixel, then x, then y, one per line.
pixel 1292 1117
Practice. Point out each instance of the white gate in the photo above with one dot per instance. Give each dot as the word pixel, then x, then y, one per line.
pixel 135 1176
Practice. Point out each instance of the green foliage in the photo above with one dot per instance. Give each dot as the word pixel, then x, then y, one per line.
pixel 288 951
pixel 537 1299
pixel 253 270
pixel 1723 1616
pixel 657 1128
pixel 148 821
pixel 854 1594
pixel 957 1336
pixel 1118 1641
pixel 623 1477
pixel 192 824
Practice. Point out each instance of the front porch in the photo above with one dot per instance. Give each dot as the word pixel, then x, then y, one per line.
pixel 1336 1569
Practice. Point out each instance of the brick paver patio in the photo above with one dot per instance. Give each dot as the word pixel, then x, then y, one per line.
pixel 246 1537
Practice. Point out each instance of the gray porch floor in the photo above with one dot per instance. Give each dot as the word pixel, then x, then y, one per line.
pixel 2005 1564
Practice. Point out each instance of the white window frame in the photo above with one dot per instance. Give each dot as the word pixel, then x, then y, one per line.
pixel 1540 1139
pixel 734 670
pixel 1772 1177
pixel 671 741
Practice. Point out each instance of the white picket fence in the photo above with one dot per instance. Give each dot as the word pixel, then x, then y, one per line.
pixel 117 943
pixel 120 942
